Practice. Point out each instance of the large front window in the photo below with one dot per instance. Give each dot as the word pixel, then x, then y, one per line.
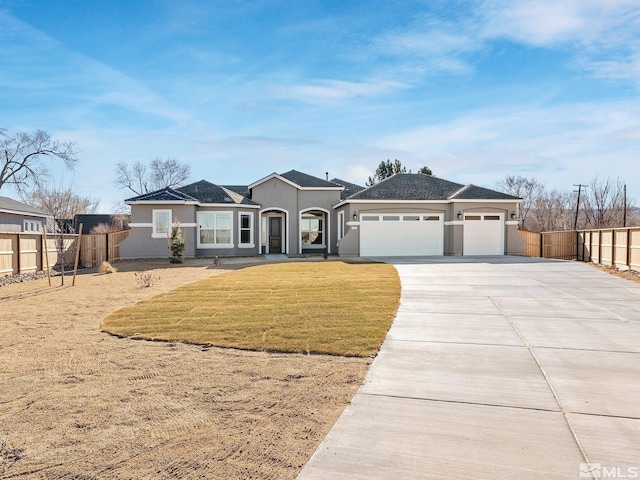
pixel 312 229
pixel 214 229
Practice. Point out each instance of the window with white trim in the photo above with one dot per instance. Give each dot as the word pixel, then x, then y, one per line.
pixel 32 226
pixel 215 230
pixel 245 227
pixel 312 228
pixel 161 224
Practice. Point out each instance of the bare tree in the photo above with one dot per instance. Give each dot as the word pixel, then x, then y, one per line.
pixel 62 205
pixel 134 178
pixel 168 173
pixel 603 204
pixel 529 189
pixel 23 154
pixel 141 179
pixel 551 211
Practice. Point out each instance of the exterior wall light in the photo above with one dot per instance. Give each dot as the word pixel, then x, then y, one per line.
pixel 355 216
pixel 459 215
pixel 513 215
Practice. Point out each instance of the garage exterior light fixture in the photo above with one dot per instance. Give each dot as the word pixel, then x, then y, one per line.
pixel 459 215
pixel 513 215
pixel 355 216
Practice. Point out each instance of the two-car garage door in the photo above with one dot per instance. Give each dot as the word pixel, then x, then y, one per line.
pixel 401 234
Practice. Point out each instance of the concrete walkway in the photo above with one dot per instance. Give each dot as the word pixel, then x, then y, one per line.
pixel 497 368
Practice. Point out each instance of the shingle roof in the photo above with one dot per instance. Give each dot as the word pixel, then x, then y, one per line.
pixel 13 206
pixel 202 191
pixel 307 181
pixel 207 192
pixel 417 186
pixel 349 188
pixel 165 194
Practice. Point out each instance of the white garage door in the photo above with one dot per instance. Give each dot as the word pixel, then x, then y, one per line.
pixel 405 234
pixel 483 234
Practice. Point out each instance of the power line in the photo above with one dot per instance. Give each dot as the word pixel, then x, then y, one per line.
pixel 579 185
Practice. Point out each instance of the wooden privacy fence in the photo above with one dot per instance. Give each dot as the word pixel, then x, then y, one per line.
pixel 101 247
pixel 619 247
pixel 24 253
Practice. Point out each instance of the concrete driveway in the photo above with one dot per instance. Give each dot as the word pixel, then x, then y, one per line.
pixel 497 368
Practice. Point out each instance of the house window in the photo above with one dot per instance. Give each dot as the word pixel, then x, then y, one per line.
pixel 161 224
pixel 340 225
pixel 312 228
pixel 32 226
pixel 246 230
pixel 214 230
pixel 391 218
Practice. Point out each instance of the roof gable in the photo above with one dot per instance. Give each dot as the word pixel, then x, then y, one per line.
pixel 299 180
pixel 162 195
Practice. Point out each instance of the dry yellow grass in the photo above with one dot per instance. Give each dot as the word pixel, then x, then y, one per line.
pixel 327 307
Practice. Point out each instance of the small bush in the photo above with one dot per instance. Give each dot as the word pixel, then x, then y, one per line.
pixel 146 279
pixel 106 267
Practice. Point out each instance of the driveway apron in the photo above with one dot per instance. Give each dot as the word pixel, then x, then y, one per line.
pixel 497 367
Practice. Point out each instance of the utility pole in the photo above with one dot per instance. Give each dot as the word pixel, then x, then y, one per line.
pixel 575 222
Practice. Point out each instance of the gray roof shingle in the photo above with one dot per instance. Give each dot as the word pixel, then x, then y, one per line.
pixel 418 186
pixel 349 188
pixel 202 191
pixel 307 181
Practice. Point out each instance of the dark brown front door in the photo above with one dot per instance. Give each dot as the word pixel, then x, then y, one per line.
pixel 275 235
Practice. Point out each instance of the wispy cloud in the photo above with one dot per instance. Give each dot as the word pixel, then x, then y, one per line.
pixel 322 91
pixel 37 65
pixel 554 144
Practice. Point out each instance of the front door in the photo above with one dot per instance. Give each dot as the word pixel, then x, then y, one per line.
pixel 275 235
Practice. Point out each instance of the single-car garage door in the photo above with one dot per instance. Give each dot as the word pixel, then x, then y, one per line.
pixel 404 234
pixel 483 234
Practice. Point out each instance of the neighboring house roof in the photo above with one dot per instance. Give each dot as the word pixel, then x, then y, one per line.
pixel 349 188
pixel 418 186
pixel 9 205
pixel 200 192
pixel 241 189
pixel 299 180
pixel 91 220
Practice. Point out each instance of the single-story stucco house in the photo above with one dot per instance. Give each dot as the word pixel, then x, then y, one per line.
pixel 18 217
pixel 295 213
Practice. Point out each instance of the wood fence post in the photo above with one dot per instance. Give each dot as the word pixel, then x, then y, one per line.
pixel 613 247
pixel 629 247
pixel 541 249
pixel 106 235
pixel 600 247
pixel 75 264
pixel 19 255
pixel 46 254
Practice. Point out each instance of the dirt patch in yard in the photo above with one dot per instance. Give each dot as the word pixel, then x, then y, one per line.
pixel 78 403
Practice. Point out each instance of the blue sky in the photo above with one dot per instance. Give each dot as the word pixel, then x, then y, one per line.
pixel 238 90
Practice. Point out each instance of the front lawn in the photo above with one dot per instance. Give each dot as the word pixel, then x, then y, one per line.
pixel 310 307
